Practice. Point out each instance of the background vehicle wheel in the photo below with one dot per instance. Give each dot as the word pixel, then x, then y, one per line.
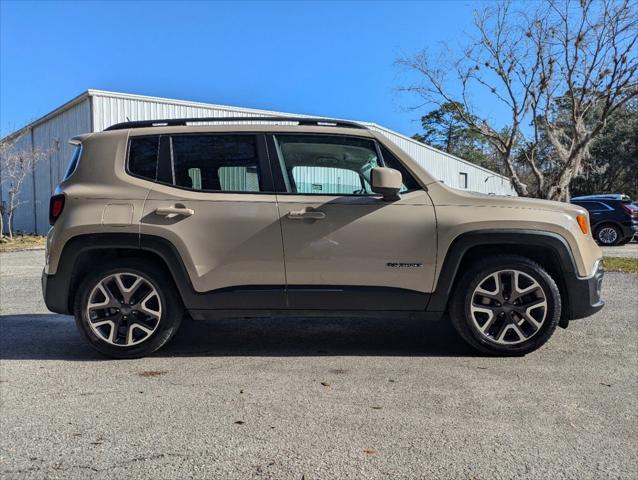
pixel 129 310
pixel 505 305
pixel 608 235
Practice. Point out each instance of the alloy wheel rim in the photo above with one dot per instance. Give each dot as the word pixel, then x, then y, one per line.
pixel 508 307
pixel 607 235
pixel 124 309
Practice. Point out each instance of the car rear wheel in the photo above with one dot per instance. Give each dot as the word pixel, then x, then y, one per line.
pixel 506 305
pixel 608 235
pixel 129 310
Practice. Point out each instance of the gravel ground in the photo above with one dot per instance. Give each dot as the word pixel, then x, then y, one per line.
pixel 315 399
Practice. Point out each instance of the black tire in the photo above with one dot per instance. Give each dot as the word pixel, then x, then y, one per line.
pixel 460 305
pixel 172 310
pixel 624 242
pixel 603 230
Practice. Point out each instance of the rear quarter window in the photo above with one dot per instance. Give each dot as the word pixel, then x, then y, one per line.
pixel 143 157
pixel 73 163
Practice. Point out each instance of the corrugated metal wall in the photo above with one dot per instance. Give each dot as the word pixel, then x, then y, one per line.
pixel 51 136
pixel 97 110
pixel 54 134
pixel 448 168
pixel 111 109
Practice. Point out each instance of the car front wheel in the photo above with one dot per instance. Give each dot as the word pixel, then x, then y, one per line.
pixel 608 235
pixel 506 305
pixel 127 311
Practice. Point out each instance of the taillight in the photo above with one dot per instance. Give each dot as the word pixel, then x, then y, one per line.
pixel 56 205
pixel 629 210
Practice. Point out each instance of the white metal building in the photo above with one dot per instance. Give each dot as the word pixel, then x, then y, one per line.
pixel 95 110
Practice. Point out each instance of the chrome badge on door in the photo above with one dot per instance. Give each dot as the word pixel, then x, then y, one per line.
pixel 404 264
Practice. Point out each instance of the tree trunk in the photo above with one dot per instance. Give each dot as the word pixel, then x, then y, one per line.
pixel 10 225
pixel 10 211
pixel 448 147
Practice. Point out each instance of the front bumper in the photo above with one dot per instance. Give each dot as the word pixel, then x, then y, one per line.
pixel 630 229
pixel 584 294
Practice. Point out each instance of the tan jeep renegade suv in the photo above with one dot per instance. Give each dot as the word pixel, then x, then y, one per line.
pixel 209 218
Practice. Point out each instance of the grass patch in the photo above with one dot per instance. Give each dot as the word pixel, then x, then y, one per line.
pixel 22 242
pixel 620 264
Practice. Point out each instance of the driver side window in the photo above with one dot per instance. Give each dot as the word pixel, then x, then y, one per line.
pixel 326 165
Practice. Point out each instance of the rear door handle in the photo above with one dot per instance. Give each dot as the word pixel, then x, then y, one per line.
pixel 182 211
pixel 305 214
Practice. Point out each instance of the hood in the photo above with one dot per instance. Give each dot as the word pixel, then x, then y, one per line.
pixel 448 196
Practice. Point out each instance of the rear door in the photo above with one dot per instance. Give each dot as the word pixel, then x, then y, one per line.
pixel 345 247
pixel 213 201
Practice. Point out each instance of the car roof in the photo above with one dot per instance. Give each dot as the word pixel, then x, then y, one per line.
pixel 611 196
pixel 300 121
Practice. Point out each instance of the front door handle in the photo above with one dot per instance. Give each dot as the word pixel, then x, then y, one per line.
pixel 305 214
pixel 182 211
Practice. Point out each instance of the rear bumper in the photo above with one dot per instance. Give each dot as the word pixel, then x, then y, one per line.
pixel 630 229
pixel 55 293
pixel 584 294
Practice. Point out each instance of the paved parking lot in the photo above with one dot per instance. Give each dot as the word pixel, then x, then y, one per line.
pixel 629 250
pixel 315 399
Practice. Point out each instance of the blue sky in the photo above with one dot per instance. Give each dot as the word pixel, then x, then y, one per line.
pixel 330 59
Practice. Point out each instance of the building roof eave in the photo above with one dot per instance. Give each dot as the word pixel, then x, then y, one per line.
pixel 62 108
pixel 105 93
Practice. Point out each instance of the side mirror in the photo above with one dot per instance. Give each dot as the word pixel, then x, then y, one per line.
pixel 387 182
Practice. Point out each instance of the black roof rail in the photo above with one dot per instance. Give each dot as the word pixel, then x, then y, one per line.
pixel 325 122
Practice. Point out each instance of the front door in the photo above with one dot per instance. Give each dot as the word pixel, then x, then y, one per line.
pixel 344 246
pixel 213 201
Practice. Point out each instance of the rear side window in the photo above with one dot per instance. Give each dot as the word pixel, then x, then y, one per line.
pixel 216 163
pixel 143 157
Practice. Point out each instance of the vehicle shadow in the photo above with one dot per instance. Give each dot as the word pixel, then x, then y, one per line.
pixel 55 337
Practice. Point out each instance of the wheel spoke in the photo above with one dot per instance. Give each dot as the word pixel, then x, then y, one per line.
pixel 530 319
pixel 490 319
pixel 519 292
pixel 534 303
pixel 132 328
pixel 502 332
pixel 496 293
pixel 516 329
pixel 98 324
pixel 143 307
pixel 117 321
pixel 127 293
pixel 109 300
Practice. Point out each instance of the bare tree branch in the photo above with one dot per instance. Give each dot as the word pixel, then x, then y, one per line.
pixel 560 71
pixel 16 165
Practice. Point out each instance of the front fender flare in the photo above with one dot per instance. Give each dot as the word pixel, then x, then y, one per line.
pixel 464 242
